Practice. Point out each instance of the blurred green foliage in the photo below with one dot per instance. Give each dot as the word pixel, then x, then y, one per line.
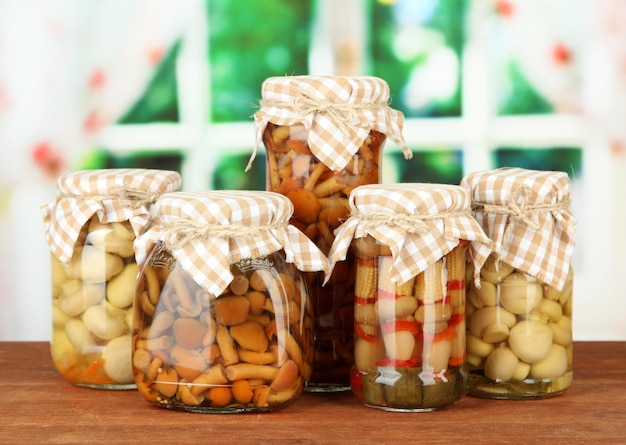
pixel 249 42
pixel 165 160
pixel 433 166
pixel 565 159
pixel 520 97
pixel 446 21
pixel 159 102
pixel 230 172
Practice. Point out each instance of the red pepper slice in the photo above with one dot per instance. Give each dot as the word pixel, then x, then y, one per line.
pixel 457 318
pixel 356 381
pixel 387 362
pixel 364 335
pixel 94 367
pixel 456 361
pixel 446 335
pixel 455 284
pixel 400 325
pixel 364 300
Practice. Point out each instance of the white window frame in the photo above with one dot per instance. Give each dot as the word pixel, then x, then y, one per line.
pixel 478 131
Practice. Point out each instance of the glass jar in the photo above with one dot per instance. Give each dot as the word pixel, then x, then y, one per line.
pixel 223 319
pixel 410 249
pixel 519 312
pixel 91 227
pixel 325 140
pixel 320 197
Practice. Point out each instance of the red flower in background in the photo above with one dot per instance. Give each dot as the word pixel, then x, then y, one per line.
pixel 47 159
pixel 5 101
pixel 93 122
pixel 561 54
pixel 154 54
pixel 97 79
pixel 504 8
pixel 618 147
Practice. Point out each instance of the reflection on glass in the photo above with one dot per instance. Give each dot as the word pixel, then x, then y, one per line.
pixel 250 41
pixel 416 47
pixel 566 159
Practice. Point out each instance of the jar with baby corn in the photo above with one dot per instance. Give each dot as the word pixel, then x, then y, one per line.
pixel 223 319
pixel 91 227
pixel 410 243
pixel 323 137
pixel 519 311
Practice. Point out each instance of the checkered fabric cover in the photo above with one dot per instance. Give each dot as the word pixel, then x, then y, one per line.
pixel 114 195
pixel 337 112
pixel 440 215
pixel 532 226
pixel 194 227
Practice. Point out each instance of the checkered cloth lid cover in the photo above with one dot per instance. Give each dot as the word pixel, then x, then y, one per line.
pixel 419 222
pixel 114 195
pixel 208 231
pixel 526 213
pixel 337 112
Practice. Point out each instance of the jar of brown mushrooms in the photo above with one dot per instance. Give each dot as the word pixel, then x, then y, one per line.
pixel 223 319
pixel 323 137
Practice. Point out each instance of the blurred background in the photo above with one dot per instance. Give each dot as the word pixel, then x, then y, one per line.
pixel 172 84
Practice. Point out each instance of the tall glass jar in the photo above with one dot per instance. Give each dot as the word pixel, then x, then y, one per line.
pixel 410 243
pixel 519 312
pixel 323 137
pixel 91 227
pixel 223 320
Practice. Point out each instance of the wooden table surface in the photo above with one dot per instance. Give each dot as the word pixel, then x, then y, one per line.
pixel 38 406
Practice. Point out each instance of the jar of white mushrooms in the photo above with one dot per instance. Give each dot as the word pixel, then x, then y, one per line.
pixel 519 311
pixel 91 227
pixel 223 319
pixel 410 243
pixel 324 136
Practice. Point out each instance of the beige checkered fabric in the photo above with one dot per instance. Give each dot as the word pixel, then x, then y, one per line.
pixel 424 223
pixel 337 112
pixel 208 231
pixel 114 195
pixel 528 218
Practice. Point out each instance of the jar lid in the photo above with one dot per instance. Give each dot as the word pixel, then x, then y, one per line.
pixel 114 195
pixel 338 113
pixel 419 222
pixel 526 213
pixel 210 230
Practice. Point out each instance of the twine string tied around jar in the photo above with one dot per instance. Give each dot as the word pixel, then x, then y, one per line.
pixel 341 113
pixel 129 197
pixel 414 224
pixel 519 211
pixel 181 232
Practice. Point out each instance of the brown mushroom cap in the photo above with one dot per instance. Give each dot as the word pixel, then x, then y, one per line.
pixel 306 205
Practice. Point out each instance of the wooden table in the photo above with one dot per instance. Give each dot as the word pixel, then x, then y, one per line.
pixel 38 406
